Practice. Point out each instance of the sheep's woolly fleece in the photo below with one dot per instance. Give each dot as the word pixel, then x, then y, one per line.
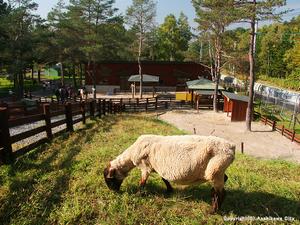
pixel 182 159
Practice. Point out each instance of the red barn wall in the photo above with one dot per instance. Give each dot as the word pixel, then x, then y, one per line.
pixel 170 73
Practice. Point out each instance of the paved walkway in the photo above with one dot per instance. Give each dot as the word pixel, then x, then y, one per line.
pixel 261 143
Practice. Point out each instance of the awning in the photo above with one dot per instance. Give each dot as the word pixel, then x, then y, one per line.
pixel 204 92
pixel 202 84
pixel 236 97
pixel 146 78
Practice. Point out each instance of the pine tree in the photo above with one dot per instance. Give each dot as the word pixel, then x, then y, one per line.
pixel 140 16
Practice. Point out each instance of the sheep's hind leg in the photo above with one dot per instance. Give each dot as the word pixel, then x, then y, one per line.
pixel 169 187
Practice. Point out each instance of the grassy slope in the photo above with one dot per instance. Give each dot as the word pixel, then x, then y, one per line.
pixel 63 183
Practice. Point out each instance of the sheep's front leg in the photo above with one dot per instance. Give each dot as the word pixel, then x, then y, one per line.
pixel 144 178
pixel 217 198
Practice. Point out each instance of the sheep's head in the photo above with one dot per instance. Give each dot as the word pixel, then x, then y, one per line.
pixel 112 179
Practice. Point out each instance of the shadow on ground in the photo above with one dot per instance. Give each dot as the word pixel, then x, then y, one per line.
pixel 238 202
pixel 38 180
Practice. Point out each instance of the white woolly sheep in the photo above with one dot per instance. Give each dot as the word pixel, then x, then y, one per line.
pixel 185 159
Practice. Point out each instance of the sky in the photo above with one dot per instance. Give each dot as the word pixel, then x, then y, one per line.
pixel 165 7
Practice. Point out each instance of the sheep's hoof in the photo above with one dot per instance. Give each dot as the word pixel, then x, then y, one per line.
pixel 217 199
pixel 141 192
pixel 169 190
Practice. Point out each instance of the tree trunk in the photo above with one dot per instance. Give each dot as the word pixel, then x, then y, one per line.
pixel 217 74
pixel 81 73
pixel 32 72
pixel 252 76
pixel 94 80
pixel 39 75
pixel 74 75
pixel 62 74
pixel 140 66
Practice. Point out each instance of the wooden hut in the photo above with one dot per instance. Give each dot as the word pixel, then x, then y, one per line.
pixel 150 80
pixel 235 106
pixel 202 91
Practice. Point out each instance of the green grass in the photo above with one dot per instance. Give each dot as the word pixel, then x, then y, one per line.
pixel 6 85
pixel 62 183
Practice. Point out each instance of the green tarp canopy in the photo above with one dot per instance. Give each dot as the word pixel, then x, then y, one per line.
pixel 202 84
pixel 146 78
pixel 236 97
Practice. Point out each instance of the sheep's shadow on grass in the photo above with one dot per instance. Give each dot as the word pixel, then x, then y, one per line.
pixel 238 202
pixel 29 195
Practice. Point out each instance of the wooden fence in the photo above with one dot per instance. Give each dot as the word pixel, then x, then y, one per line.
pixel 290 134
pixel 148 104
pixel 48 110
pixel 81 110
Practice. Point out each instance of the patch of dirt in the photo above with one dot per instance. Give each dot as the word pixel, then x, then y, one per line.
pixel 262 142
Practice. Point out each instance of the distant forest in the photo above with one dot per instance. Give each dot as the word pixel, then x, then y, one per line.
pixel 90 31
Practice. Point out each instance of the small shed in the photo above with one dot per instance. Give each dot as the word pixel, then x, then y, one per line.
pixel 146 78
pixel 236 105
pixel 149 79
pixel 202 91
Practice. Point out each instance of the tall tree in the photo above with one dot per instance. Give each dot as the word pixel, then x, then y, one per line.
pixel 173 38
pixel 58 22
pixel 140 16
pixel 4 13
pixel 19 26
pixel 93 15
pixel 213 17
pixel 253 11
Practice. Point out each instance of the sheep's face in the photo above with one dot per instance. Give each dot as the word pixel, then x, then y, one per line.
pixel 112 180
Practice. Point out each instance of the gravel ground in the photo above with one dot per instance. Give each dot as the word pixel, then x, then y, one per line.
pixel 39 136
pixel 261 143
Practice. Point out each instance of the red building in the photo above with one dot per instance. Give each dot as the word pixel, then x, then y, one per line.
pixel 171 74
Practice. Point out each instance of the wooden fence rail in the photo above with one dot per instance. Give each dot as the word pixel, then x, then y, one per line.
pixel 290 134
pixel 82 110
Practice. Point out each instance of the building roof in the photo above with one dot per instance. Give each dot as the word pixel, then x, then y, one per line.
pixel 236 97
pixel 202 84
pixel 204 92
pixel 146 78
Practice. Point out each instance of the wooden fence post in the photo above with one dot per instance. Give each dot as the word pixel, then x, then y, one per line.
pixel 110 106
pixel 46 108
pixel 282 130
pixel 266 119
pixel 5 136
pixel 69 117
pixel 92 108
pixel 113 108
pixel 104 107
pixel 99 108
pixel 242 147
pixel 293 136
pixel 274 126
pixel 137 103
pixel 156 99
pixel 166 105
pixel 147 102
pixel 82 108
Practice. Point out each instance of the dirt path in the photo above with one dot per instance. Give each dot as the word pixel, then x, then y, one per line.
pixel 261 143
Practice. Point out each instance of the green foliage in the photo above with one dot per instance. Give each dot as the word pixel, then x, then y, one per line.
pixel 62 183
pixel 173 37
